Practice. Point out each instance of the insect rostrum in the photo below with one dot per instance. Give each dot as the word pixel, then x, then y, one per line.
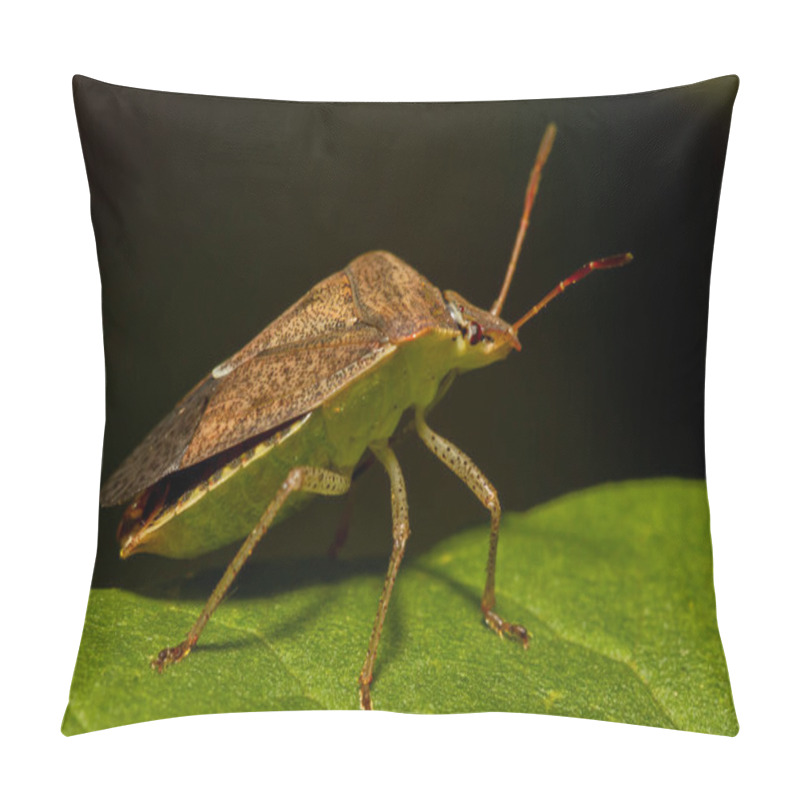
pixel 294 412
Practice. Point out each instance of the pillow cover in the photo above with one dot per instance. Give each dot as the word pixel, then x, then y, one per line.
pixel 213 216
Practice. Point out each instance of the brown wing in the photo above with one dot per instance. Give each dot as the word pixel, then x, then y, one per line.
pixel 342 327
pixel 278 385
pixel 291 367
pixel 161 451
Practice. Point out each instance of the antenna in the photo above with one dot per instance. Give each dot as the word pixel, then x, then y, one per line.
pixel 545 146
pixel 604 263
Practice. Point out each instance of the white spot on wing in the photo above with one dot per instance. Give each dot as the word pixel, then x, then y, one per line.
pixel 221 371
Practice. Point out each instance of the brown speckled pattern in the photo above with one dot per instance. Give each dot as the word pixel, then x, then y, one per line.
pixel 395 298
pixel 342 327
pixel 161 451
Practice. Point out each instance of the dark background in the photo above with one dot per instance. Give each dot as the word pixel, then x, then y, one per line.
pixel 213 215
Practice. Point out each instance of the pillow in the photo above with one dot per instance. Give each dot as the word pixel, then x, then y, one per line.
pixel 217 217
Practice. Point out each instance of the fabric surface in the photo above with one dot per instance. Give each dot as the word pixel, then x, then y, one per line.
pixel 213 216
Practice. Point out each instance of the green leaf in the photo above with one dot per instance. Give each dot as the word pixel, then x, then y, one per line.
pixel 613 583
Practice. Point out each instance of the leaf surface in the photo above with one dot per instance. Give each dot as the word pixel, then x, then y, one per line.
pixel 614 584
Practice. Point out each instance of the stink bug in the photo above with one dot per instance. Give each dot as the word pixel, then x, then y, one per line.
pixel 315 396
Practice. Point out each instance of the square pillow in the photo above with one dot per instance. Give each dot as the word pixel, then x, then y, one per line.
pixel 213 216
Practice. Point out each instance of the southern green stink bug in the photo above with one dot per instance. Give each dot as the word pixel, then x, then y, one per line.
pixel 298 409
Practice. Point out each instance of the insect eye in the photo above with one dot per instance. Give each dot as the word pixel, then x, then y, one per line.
pixel 475 332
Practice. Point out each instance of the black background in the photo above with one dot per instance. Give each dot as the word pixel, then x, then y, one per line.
pixel 213 215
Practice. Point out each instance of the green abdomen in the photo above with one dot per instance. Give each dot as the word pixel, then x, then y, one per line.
pixel 334 436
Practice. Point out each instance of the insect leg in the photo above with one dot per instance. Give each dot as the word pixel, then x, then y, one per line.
pixel 307 479
pixel 464 467
pixel 343 528
pixel 400 531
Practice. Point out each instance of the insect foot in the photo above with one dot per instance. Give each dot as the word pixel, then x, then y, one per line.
pixel 501 627
pixel 170 655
